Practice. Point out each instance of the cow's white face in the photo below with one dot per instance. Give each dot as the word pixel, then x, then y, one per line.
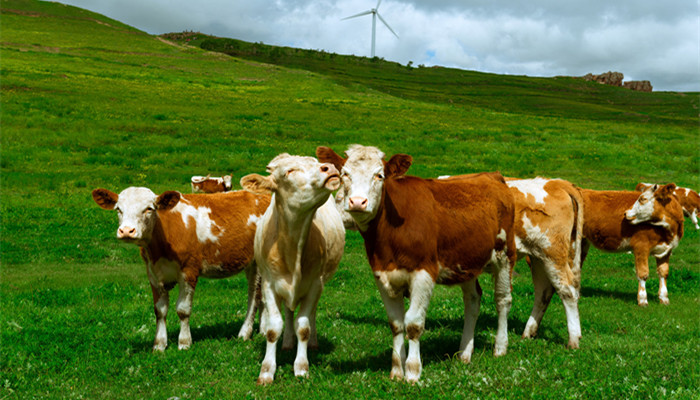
pixel 651 206
pixel 362 183
pixel 301 183
pixel 136 208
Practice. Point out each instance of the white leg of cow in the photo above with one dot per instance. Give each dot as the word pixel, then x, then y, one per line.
pixel 303 328
pixel 161 301
pixel 543 294
pixel 662 270
pixel 253 278
pixel 273 325
pixel 395 311
pixel 184 310
pixel 503 298
pixel 288 339
pixel 421 291
pixel 641 263
pixel 471 294
pixel 313 340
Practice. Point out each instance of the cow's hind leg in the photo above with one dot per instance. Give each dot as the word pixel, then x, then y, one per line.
pixel 253 278
pixel 288 338
pixel 471 294
pixel 543 294
pixel 562 278
pixel 504 300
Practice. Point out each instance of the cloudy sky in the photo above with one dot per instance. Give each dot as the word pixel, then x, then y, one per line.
pixel 655 40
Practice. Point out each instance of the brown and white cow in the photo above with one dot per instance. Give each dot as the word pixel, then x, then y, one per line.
pixel 650 223
pixel 689 199
pixel 211 184
pixel 185 237
pixel 298 246
pixel 549 230
pixel 419 232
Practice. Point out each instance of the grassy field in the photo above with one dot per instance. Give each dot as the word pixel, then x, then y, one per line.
pixel 90 102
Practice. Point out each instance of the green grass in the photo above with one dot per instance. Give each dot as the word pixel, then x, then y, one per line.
pixel 89 102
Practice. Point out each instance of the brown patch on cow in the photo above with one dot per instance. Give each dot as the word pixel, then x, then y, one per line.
pixel 271 336
pixel 413 331
pixel 304 334
pixel 395 329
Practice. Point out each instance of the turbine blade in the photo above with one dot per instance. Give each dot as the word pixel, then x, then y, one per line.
pixel 378 3
pixel 387 25
pixel 358 15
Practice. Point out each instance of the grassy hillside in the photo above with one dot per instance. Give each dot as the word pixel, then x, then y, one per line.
pixel 89 102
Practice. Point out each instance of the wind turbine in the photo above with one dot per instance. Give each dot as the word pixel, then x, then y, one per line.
pixel 375 14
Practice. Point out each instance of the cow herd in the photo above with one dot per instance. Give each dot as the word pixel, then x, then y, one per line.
pixel 287 232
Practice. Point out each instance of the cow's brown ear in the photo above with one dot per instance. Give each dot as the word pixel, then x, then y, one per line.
pixel 167 200
pixel 258 184
pixel 642 187
pixel 666 191
pixel 327 155
pixel 398 165
pixel 105 198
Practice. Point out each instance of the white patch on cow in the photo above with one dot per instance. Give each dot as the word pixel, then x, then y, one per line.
pixel 446 274
pixel 444 176
pixel 643 209
pixel 214 270
pixel 534 240
pixel 502 235
pixel 662 223
pixel 394 282
pixel 625 245
pixel 163 271
pixel 662 249
pixel 203 223
pixel 642 292
pixel 253 219
pixel 533 187
pixel 687 191
pixel 663 291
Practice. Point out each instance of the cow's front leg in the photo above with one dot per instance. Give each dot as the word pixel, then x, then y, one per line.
pixel 421 291
pixel 161 301
pixel 273 324
pixel 395 311
pixel 184 310
pixel 641 263
pixel 662 270
pixel 303 328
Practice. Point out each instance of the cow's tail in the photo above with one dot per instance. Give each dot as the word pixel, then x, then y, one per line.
pixel 576 236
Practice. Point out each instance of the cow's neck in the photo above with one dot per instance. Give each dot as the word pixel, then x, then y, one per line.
pixel 293 230
pixel 155 248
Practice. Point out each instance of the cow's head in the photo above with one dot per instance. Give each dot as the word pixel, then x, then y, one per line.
pixel 656 204
pixel 302 183
pixel 136 208
pixel 363 173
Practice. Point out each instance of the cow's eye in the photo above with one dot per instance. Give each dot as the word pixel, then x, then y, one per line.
pixel 148 210
pixel 643 200
pixel 378 176
pixel 290 171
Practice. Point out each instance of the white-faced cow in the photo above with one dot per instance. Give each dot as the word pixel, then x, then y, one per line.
pixel 419 232
pixel 185 237
pixel 298 246
pixel 650 223
pixel 211 184
pixel 689 199
pixel 549 230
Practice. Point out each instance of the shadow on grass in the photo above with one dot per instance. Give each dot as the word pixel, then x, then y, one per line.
pixel 627 297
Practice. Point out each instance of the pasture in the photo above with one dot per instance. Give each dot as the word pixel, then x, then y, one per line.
pixel 89 102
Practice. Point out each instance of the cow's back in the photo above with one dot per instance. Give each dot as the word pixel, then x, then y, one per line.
pixel 214 231
pixel 455 224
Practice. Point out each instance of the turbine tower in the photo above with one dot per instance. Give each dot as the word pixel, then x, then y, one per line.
pixel 375 14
